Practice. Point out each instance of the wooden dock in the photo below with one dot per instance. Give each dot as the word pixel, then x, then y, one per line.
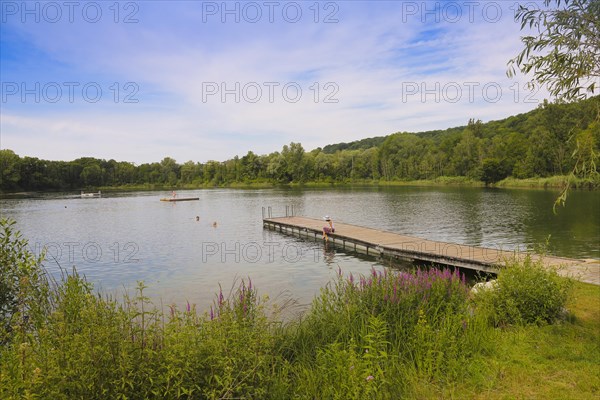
pixel 384 243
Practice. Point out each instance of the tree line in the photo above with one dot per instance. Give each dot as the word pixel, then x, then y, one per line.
pixel 540 143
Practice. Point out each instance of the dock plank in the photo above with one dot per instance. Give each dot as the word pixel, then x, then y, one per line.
pixel 382 242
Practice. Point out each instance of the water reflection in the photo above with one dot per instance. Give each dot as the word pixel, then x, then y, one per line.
pixel 328 254
pixel 125 237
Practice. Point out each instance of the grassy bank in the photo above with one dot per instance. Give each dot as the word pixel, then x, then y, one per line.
pixel 553 182
pixel 388 335
pixel 442 181
pixel 558 361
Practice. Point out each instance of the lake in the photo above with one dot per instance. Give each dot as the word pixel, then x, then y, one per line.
pixel 125 237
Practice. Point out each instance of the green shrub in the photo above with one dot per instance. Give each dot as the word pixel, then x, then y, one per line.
pixel 526 292
pixel 24 285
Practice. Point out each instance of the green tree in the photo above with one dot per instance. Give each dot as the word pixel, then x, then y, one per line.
pixel 538 160
pixel 188 172
pixel 475 126
pixel 276 168
pixel 294 162
pixel 465 158
pixel 10 174
pixel 492 171
pixel 169 171
pixel 211 172
pixel 322 166
pixel 33 174
pixel 565 54
pixel 251 166
pixel 91 175
pixel 125 173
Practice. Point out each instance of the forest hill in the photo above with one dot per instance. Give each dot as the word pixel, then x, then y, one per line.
pixel 539 143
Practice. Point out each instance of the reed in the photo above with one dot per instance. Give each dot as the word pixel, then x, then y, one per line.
pixel 386 335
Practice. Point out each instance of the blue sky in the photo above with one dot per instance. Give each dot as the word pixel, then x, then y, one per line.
pixel 198 80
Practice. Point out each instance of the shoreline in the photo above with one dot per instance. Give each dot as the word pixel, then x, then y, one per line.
pixel 554 183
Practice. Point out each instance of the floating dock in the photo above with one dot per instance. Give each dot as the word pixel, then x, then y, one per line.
pixel 389 244
pixel 180 198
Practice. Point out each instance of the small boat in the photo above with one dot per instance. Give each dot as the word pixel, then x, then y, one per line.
pixel 179 198
pixel 88 195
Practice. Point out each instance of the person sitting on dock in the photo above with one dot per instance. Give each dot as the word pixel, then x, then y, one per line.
pixel 328 229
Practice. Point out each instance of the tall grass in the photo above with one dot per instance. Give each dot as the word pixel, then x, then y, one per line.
pixel 556 181
pixel 94 347
pixel 382 336
pixel 392 327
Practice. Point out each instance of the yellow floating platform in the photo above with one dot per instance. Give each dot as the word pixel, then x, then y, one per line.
pixel 180 198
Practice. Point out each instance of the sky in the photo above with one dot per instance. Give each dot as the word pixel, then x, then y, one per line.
pixel 201 80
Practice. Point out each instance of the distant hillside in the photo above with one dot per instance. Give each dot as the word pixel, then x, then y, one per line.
pixel 376 141
pixel 518 123
pixel 539 143
pixel 356 145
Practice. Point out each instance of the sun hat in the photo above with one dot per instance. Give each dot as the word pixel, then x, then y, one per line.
pixel 326 218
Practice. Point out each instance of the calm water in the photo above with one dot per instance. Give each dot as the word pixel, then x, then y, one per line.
pixel 125 237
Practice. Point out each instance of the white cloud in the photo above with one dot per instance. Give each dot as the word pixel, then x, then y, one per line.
pixel 388 72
